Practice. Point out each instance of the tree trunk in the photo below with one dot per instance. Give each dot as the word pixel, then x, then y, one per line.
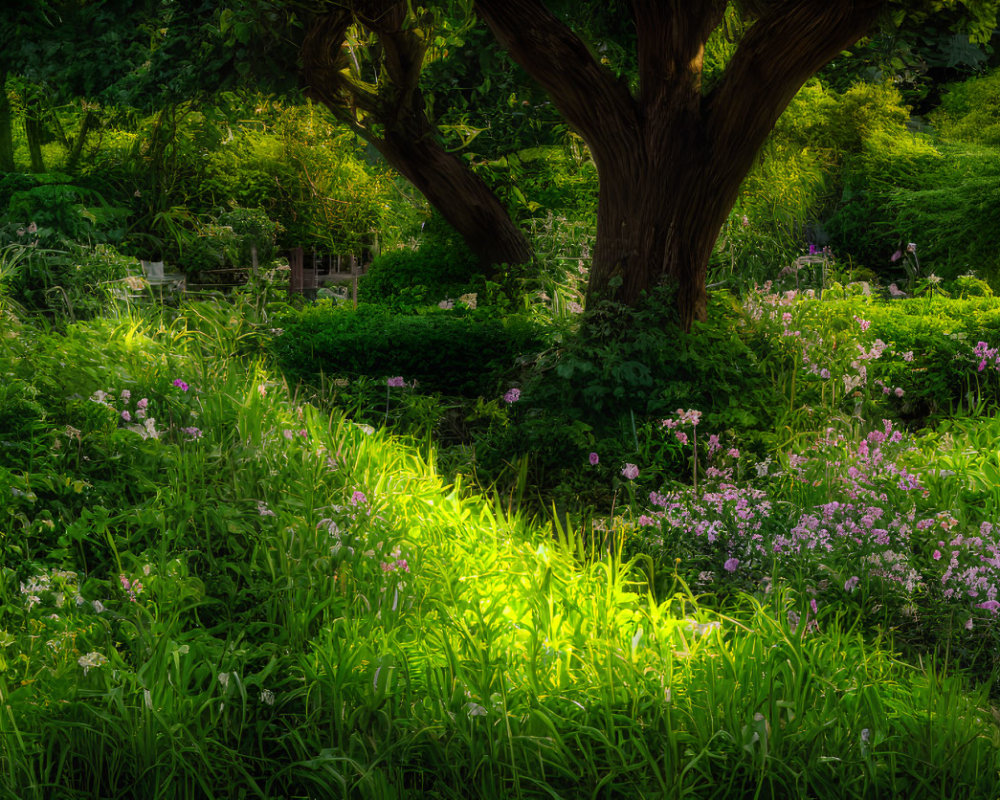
pixel 33 133
pixel 670 158
pixel 76 147
pixel 394 120
pixel 6 135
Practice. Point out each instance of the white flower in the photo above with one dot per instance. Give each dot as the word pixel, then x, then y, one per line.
pixel 92 659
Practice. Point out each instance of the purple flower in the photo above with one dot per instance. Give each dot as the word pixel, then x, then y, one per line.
pixel 851 583
pixel 193 433
pixel 512 396
pixel 358 499
pixel 896 256
pixel 181 385
pixel 396 382
pixel 630 471
pixel 126 416
pixel 990 605
pixel 594 459
pixel 731 564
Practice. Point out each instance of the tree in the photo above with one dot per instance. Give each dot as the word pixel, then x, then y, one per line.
pixel 670 152
pixel 381 99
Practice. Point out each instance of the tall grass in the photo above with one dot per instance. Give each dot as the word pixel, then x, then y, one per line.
pixel 288 604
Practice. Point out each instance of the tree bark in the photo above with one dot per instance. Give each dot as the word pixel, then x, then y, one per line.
pixel 394 120
pixel 671 159
pixel 33 133
pixel 6 133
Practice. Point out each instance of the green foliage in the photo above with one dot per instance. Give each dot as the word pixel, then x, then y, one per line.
pixel 453 352
pixel 440 267
pixel 970 111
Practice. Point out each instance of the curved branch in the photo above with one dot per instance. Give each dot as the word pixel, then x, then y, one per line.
pixel 593 101
pixel 788 44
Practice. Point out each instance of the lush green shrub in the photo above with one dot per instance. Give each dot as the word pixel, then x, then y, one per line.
pixel 452 352
pixel 440 267
pixel 970 111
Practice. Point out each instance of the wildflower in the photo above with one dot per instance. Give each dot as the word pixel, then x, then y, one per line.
pixel 288 434
pixel 936 555
pixel 32 228
pixel 126 394
pixel 896 256
pixel 126 416
pixel 908 355
pixel 681 437
pixel 990 605
pixel 446 305
pixel 630 471
pixel 968 624
pixel 865 735
pixel 911 247
pixel 731 564
pixel 814 606
pixel 851 583
pixel 895 291
pixel 263 510
pixel 745 221
pixel 713 445
pixel 358 498
pixel 92 659
pixel 512 396
pixel 192 433
pixel 267 697
pixel 181 385
pixel 733 453
pixel 899 391
pixel 594 459
pixel 396 382
pixel 573 307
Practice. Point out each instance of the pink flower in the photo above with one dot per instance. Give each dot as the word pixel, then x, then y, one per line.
pixel 193 433
pixel 814 606
pixel 851 583
pixel 899 392
pixel 896 256
pixel 358 498
pixel 141 405
pixel 126 416
pixel 936 555
pixel 731 564
pixel 630 471
pixel 990 605
pixel 594 459
pixel 181 385
pixel 512 396
pixel 733 453
pixel 681 437
pixel 396 382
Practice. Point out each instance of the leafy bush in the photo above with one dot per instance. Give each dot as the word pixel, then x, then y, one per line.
pixel 465 354
pixel 970 111
pixel 441 266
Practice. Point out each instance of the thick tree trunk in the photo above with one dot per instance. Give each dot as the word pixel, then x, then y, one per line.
pixel 459 195
pixel 6 134
pixel 395 122
pixel 670 158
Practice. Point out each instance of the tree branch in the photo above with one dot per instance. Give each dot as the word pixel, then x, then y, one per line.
pixel 670 43
pixel 589 96
pixel 788 44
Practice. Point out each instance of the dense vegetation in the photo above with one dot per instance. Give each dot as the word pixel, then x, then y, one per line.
pixel 476 536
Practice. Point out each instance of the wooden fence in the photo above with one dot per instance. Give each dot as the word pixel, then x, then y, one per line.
pixel 323 269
